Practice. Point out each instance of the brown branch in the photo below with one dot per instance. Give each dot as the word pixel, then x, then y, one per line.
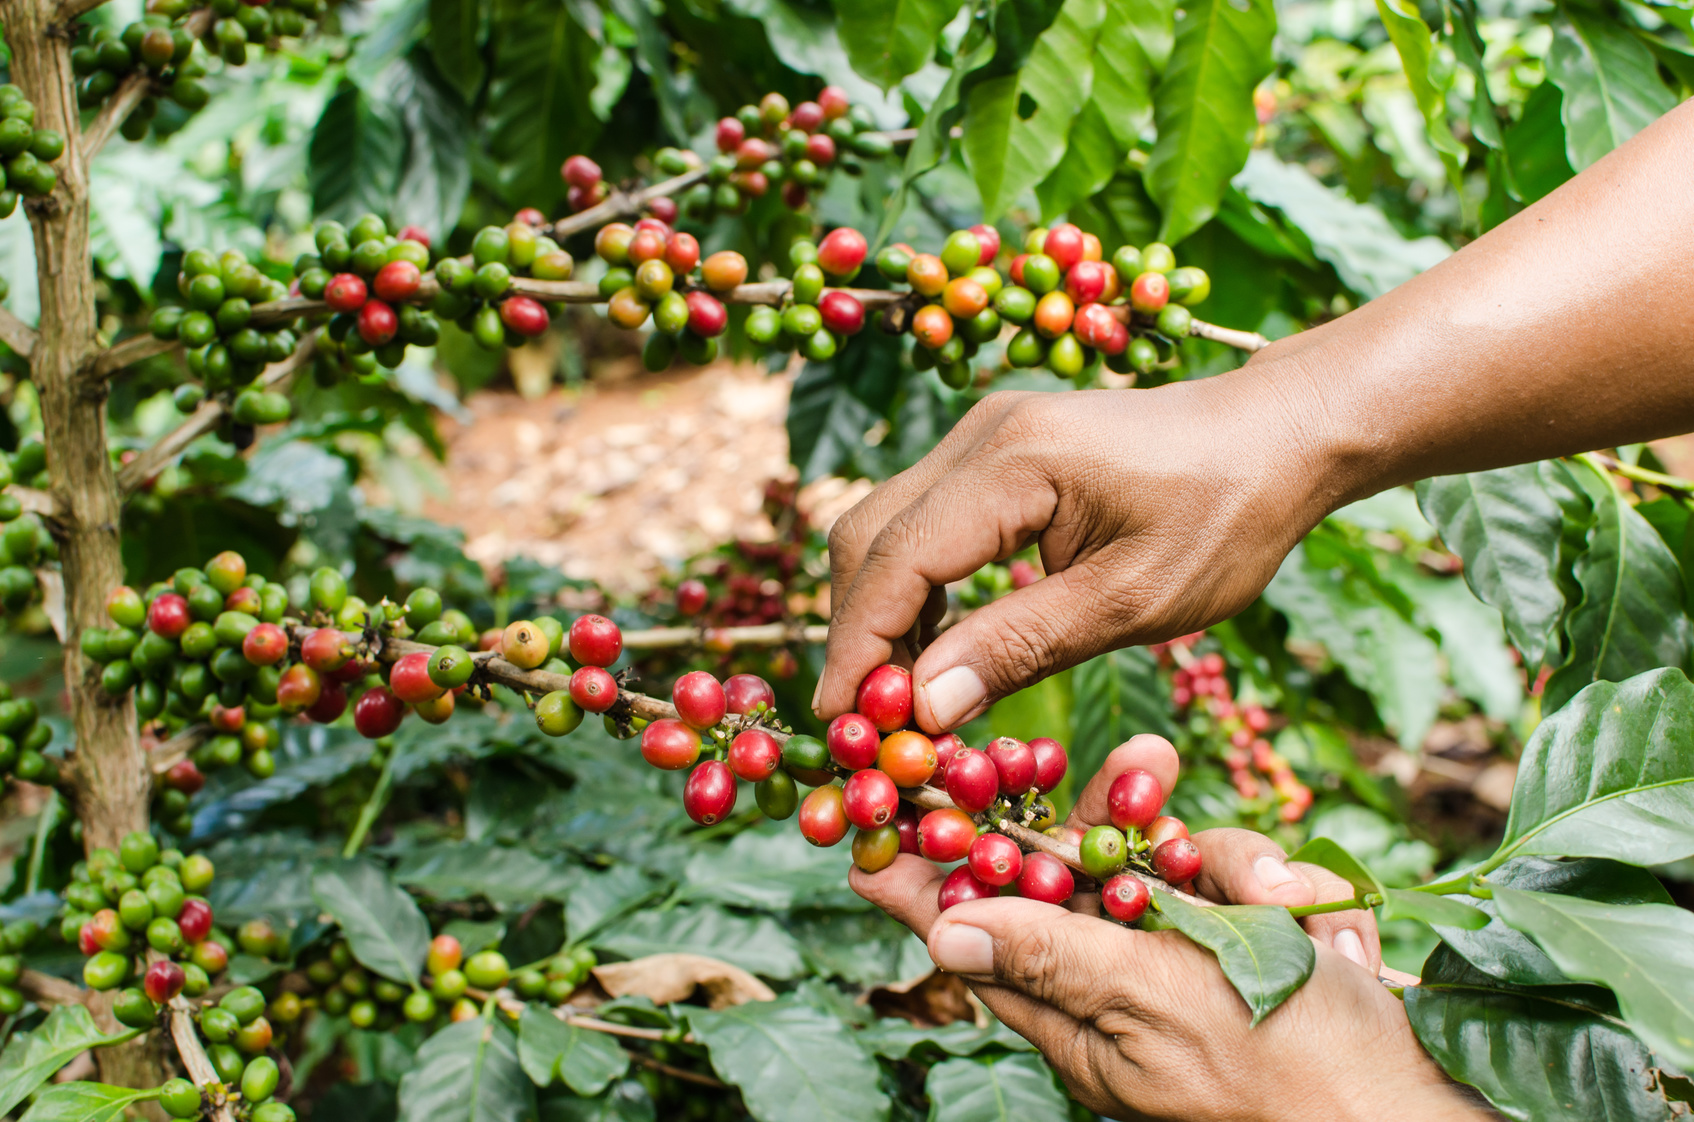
pixel 194 1058
pixel 204 419
pixel 16 334
pixel 1248 341
pixel 118 107
pixel 36 502
pixel 760 635
pixel 676 1072
pixel 120 356
pixel 621 204
pixel 45 989
pixel 173 751
pixel 71 9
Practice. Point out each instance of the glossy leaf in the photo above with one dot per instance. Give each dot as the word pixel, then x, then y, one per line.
pixel 1587 1065
pixel 1205 108
pixel 792 1062
pixel 383 927
pixel 31 1058
pixel 355 156
pixel 468 1072
pixel 437 174
pixel 1610 83
pixel 1535 145
pixel 500 874
pixel 550 1049
pixel 1473 641
pixel 627 1101
pixel 888 39
pixel 82 1102
pixel 1005 1088
pixel 455 41
pixel 1117 695
pixel 826 422
pixel 757 944
pixel 1416 44
pixel 772 868
pixel 540 98
pixel 897 1039
pixel 1327 854
pixel 1445 911
pixel 1265 954
pixel 805 39
pixel 1609 775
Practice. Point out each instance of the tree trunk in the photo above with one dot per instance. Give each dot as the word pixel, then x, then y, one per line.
pixel 108 776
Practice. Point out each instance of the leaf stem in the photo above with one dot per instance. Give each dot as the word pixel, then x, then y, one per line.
pixel 44 827
pixel 1370 901
pixel 1445 888
pixel 373 806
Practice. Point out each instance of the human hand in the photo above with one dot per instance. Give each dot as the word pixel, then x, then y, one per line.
pixel 1143 1025
pixel 1157 512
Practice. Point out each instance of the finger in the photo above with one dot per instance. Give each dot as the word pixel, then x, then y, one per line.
pixel 1242 867
pixel 1354 932
pixel 1146 752
pixel 909 890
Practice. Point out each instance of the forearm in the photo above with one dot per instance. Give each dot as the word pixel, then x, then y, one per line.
pixel 1568 328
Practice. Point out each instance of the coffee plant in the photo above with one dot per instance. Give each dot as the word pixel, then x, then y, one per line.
pixel 329 821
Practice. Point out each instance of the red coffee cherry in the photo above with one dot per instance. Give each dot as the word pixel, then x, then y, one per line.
pixel 754 755
pixel 1149 293
pixel 707 317
pixel 945 746
pixel 299 688
pixel 594 689
pixel 745 693
pixel 1063 245
pixel 265 645
pixel 195 920
pixel 1125 898
pixel 820 149
pixel 885 696
pixel 669 744
pixel 1177 861
pixel 1163 829
pixel 973 782
pixel 397 281
pixel 730 134
pixel 168 615
pixel 841 312
pixel 410 680
pixel 906 821
pixel 842 251
pixel 580 171
pixel 228 720
pixel 852 741
pixel 1134 799
pixel 421 236
pixel 709 795
pixel 184 776
pixel 869 799
pixel 595 641
pixel 376 714
pixel 377 323
pixel 1045 877
pixel 163 981
pixel 1015 763
pixel 907 757
pixel 691 596
pixel 1086 282
pixel 682 253
pixel 961 886
pixel 658 226
pixel 989 238
pixel 995 859
pixel 807 116
pixel 823 819
pixel 945 835
pixel 345 292
pixel 326 649
pixel 833 101
pixel 331 703
pixel 524 315
pixel 663 208
pixel 699 699
pixel 1050 762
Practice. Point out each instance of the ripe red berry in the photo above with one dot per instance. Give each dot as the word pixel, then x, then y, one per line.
pixel 682 253
pixel 730 134
pixel 852 741
pixel 962 886
pixel 580 171
pixel 265 645
pixel 345 292
pixel 842 251
pixel 397 280
pixel 331 703
pixel 823 818
pixel 1046 878
pixel 1015 763
pixel 1086 281
pixel 163 981
pixel 594 689
pixel 646 245
pixel 842 313
pixel 707 316
pixel 87 940
pixel 195 920
pixel 745 693
pixel 1125 898
pixel 709 794
pixel 995 859
pixel 906 821
pixel 228 720
pixel 1163 829
pixel 1134 799
pixel 833 101
pixel 807 116
pixel 421 236
pixel 184 776
pixel 1149 293
pixel 1063 245
pixel 663 208
pixel 410 680
pixel 972 780
pixel 699 699
pixel 869 799
pixel 378 713
pixel 168 615
pixel 946 745
pixel 885 696
pixel 299 688
pixel 524 315
pixel 326 649
pixel 581 198
pixel 1177 861
pixel 669 744
pixel 820 149
pixel 1050 762
pixel 754 755
pixel 691 596
pixel 989 238
pixel 595 641
pixel 377 323
pixel 528 215
pixel 907 757
pixel 945 835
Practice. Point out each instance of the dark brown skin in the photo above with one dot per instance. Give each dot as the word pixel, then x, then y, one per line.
pixel 1161 512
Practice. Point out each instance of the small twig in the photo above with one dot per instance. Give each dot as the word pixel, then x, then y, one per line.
pixel 1248 341
pixel 676 1072
pixel 177 748
pixel 16 334
pixel 121 356
pixel 117 109
pixel 45 989
pixel 1681 488
pixel 621 204
pixel 758 635
pixel 36 502
pixel 194 1057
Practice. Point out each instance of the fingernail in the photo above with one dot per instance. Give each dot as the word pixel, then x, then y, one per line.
pixel 952 694
pixel 817 694
pixel 1273 874
pixel 963 949
pixel 1347 941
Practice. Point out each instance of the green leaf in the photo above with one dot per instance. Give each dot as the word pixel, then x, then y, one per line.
pixel 1511 956
pixel 805 39
pixel 437 173
pixel 1263 952
pixel 1506 527
pixel 1609 775
pixel 1416 44
pixel 1205 108
pixel 793 1062
pixel 354 160
pixel 1549 1055
pixel 1120 214
pixel 826 423
pixel 549 1049
pixel 1473 641
pixel 889 39
pixel 31 1058
pixel 1437 911
pixel 628 1101
pixel 540 97
pixel 898 1039
pixel 1610 82
pixel 1644 953
pixel 866 947
pixel 384 929
pixel 1004 1088
pixel 83 1102
pixel 1016 126
pixel 754 943
pixel 1117 695
pixel 499 874
pixel 1535 145
pixel 455 43
pixel 771 868
pixel 653 56
pixel 468 1072
pixel 1326 854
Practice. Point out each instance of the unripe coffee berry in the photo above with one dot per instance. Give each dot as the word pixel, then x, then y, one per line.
pixel 594 689
pixel 907 757
pixel 524 645
pixel 1015 764
pixel 995 859
pixel 875 850
pixel 595 641
pixel 699 699
pixel 885 697
pixel 823 819
pixel 962 886
pixel 1125 898
pixel 1134 799
pixel 445 953
pixel 1103 851
pixel 670 745
pixel 945 835
pixel 1177 861
pixel 1045 877
pixel 973 782
pixel 754 755
pixel 852 741
pixel 869 799
pixel 709 795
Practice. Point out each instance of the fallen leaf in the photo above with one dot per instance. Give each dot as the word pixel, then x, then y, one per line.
pixel 666 978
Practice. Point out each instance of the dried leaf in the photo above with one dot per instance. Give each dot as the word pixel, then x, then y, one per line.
pixel 667 978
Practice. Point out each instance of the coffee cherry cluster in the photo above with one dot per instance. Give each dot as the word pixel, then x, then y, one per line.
pixel 26 151
pixel 770 146
pixel 993 581
pixel 140 915
pixel 15 938
pixel 816 321
pixel 653 270
pixel 962 291
pixel 367 276
pixel 474 295
pixel 239 1039
pixel 341 987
